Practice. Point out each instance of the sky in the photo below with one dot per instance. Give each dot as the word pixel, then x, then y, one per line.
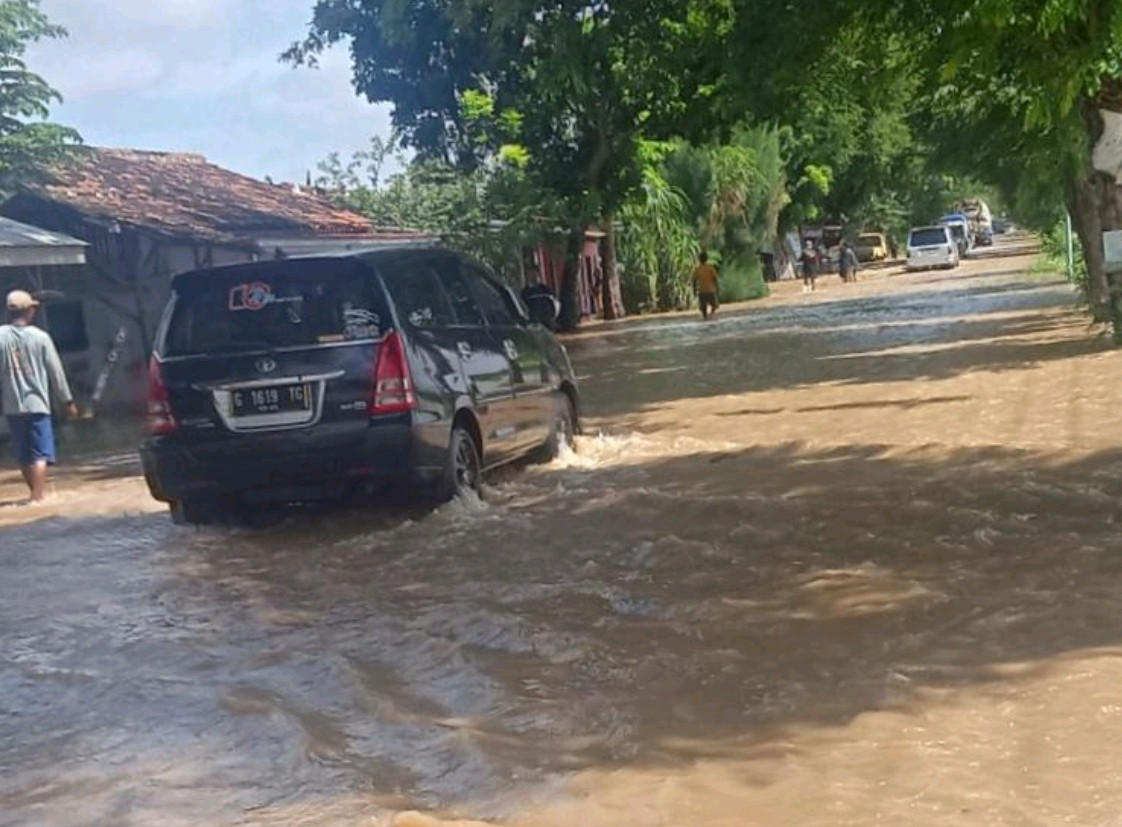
pixel 203 76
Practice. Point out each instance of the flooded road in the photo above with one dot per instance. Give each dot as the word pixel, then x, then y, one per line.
pixel 836 559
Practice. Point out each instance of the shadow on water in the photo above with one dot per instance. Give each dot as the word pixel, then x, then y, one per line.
pixel 648 614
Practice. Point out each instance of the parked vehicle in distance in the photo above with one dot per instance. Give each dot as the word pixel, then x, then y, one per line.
pixel 930 247
pixel 308 379
pixel 960 231
pixel 871 247
pixel 978 214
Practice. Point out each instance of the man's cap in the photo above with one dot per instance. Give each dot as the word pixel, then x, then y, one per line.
pixel 21 300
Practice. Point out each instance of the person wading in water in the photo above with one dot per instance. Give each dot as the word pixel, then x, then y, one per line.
pixel 705 274
pixel 31 375
pixel 810 262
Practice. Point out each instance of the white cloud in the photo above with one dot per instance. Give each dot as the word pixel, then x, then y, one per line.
pixel 174 14
pixel 214 79
pixel 116 72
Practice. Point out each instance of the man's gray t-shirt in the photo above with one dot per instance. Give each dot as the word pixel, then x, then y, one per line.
pixel 30 371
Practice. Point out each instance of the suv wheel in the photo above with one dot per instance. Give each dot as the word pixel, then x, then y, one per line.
pixel 463 470
pixel 561 432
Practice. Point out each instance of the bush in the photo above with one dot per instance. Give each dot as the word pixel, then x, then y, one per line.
pixel 743 281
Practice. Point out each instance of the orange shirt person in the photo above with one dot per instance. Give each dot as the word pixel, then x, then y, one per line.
pixel 705 274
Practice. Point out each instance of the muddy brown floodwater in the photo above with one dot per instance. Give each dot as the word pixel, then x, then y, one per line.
pixel 840 559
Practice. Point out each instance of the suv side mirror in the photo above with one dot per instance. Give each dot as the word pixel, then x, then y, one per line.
pixel 544 309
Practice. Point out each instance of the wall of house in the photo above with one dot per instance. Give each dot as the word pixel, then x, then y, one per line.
pixel 549 259
pixel 118 321
pixel 119 311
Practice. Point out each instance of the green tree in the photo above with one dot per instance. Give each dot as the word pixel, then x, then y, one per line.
pixel 724 197
pixel 491 212
pixel 659 241
pixel 585 84
pixel 1037 85
pixel 28 143
pixel 1044 80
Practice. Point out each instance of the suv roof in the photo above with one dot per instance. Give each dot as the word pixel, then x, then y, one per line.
pixel 387 254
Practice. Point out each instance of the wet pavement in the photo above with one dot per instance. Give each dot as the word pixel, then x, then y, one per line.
pixel 831 559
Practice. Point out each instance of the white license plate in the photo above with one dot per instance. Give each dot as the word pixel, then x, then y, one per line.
pixel 271 400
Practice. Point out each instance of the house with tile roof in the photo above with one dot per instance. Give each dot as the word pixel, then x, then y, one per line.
pixel 145 216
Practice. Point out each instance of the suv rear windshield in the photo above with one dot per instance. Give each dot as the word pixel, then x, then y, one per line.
pixel 286 305
pixel 868 239
pixel 928 237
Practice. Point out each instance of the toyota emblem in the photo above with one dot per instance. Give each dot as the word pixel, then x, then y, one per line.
pixel 266 364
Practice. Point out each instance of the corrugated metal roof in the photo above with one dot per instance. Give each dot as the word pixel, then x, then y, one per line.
pixel 22 245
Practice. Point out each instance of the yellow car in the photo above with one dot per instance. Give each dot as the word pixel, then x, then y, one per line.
pixel 871 247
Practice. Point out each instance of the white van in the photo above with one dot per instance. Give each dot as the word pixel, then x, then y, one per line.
pixel 932 247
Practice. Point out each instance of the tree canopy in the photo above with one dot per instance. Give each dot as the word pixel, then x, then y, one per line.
pixel 28 142
pixel 577 86
pixel 884 111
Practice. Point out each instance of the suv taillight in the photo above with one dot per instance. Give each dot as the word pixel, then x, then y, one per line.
pixel 160 419
pixel 393 388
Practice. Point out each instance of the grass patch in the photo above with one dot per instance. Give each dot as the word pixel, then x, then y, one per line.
pixel 1048 267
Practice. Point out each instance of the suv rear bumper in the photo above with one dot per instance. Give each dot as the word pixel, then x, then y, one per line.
pixel 175 466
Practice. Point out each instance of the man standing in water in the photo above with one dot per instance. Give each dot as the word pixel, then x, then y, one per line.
pixel 847 262
pixel 705 274
pixel 30 374
pixel 809 261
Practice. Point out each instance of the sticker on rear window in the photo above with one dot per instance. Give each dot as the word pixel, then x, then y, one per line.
pixel 256 295
pixel 360 324
pixel 251 296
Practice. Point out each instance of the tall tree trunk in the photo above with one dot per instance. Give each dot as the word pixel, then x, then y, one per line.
pixel 1084 211
pixel 611 294
pixel 569 318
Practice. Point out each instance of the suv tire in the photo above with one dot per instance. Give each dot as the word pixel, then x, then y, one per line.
pixel 462 469
pixel 561 431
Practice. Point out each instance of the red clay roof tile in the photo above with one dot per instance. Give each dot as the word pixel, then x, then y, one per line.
pixel 185 195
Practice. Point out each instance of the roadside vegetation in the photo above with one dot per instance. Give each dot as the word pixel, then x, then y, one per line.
pixel 691 124
pixel 724 124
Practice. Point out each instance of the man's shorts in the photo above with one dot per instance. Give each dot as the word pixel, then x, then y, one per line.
pixel 33 439
pixel 708 301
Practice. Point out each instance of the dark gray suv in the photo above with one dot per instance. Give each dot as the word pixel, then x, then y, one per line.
pixel 307 379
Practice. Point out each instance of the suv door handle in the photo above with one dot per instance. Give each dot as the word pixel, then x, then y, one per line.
pixel 465 350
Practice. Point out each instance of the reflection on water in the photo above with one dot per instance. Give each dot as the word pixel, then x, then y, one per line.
pixel 687 621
